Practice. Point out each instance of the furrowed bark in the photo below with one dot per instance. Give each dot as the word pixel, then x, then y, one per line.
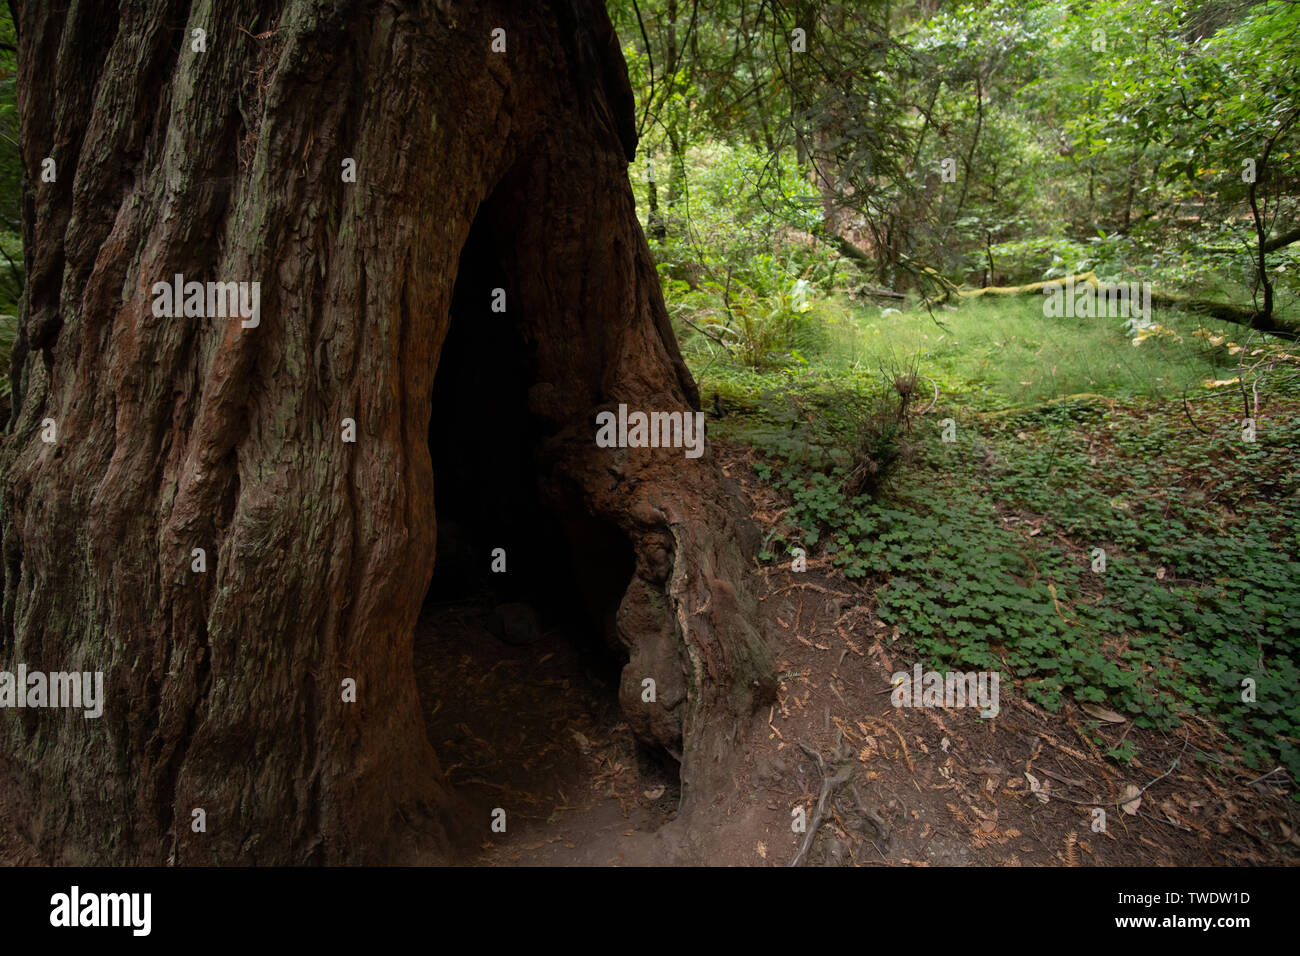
pixel 224 687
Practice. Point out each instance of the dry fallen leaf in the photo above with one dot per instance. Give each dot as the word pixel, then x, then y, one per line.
pixel 583 743
pixel 762 850
pixel 1101 713
pixel 1131 801
pixel 1291 837
pixel 1036 788
pixel 654 794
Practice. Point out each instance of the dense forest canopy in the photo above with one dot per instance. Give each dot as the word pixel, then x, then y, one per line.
pixel 994 143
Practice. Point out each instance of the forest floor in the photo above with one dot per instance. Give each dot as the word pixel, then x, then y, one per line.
pixel 535 728
pixel 1122 737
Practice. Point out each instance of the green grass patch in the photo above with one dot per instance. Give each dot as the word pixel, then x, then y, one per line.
pixel 997 353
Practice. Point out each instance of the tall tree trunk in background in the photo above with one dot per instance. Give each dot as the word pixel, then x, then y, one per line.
pixel 658 231
pixel 1259 219
pixel 224 687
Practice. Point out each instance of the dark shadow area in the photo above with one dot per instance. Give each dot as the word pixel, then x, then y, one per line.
pixel 518 670
pixel 501 541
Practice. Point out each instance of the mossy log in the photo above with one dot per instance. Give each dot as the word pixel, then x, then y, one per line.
pixel 1224 312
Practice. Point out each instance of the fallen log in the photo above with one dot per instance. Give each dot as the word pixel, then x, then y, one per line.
pixel 1278 242
pixel 852 252
pixel 875 292
pixel 1270 245
pixel 1223 311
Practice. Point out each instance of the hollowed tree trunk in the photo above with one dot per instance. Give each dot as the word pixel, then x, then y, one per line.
pixel 224 687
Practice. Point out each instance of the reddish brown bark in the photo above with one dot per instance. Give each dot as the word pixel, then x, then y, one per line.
pixel 173 434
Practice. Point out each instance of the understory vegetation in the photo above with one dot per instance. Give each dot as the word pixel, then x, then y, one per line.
pixel 1101 505
pixel 987 551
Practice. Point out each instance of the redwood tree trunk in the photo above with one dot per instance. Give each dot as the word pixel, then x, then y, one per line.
pixel 224 688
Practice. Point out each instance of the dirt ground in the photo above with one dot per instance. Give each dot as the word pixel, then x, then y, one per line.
pixel 536 731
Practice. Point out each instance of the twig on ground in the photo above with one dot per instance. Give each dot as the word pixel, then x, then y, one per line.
pixel 1122 801
pixel 1264 776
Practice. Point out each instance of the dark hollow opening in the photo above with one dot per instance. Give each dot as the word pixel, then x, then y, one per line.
pixel 518 671
pixel 565 565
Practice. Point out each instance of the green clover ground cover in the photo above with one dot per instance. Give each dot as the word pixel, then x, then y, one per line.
pixel 1201 585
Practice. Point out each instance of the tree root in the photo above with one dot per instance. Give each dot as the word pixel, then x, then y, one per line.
pixel 829 784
